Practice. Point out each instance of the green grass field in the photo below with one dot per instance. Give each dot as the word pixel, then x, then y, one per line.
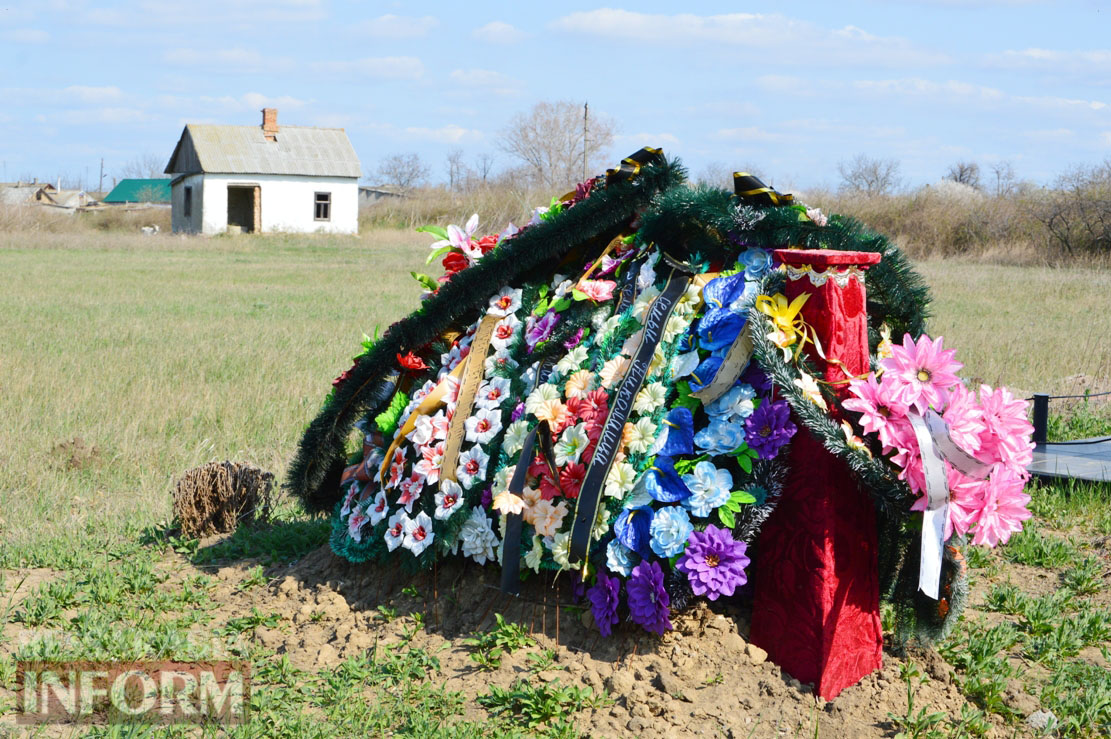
pixel 125 361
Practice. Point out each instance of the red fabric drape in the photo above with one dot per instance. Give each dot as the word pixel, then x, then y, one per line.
pixel 816 607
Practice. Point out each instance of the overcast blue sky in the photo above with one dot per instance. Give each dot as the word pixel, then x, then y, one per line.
pixel 790 88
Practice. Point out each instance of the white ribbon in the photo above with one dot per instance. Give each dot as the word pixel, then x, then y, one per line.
pixel 937 447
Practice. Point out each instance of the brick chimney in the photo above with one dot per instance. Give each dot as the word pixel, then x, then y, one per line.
pixel 270 123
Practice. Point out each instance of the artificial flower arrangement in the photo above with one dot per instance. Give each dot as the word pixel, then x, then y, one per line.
pixel 579 346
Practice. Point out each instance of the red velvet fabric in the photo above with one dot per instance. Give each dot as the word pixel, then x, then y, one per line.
pixel 816 608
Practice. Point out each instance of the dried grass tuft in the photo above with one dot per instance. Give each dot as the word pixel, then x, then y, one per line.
pixel 217 497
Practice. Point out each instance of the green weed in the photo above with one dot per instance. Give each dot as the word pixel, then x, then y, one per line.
pixel 918 722
pixel 504 638
pixel 1031 547
pixel 980 656
pixel 251 622
pixel 1079 695
pixel 534 705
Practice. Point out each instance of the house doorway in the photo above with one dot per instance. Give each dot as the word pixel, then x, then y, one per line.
pixel 244 208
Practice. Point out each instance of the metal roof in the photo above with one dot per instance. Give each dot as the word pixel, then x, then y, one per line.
pixel 140 191
pixel 298 150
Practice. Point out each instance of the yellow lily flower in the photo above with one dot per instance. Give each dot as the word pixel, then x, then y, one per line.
pixel 788 326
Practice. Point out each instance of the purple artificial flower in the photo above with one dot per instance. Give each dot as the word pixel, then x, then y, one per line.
pixel 754 375
pixel 604 597
pixel 574 340
pixel 769 428
pixel 714 562
pixel 539 330
pixel 648 599
pixel 487 498
pixel 517 412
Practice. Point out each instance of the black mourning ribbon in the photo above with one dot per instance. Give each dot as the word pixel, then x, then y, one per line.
pixel 750 190
pixel 586 507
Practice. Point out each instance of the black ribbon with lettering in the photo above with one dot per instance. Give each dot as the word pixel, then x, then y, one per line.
pixel 586 507
pixel 749 189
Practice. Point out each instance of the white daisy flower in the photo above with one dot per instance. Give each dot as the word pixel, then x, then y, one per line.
pixel 448 500
pixel 492 393
pixel 642 435
pixel 506 302
pixel 505 331
pixel 536 554
pixel 418 534
pixel 620 480
pixel 650 398
pixel 472 467
pixel 395 531
pixel 483 425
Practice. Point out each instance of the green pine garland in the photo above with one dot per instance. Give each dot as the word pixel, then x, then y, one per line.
pixel 315 471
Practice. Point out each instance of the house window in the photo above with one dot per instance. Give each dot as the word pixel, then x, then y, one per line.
pixel 323 203
pixel 187 204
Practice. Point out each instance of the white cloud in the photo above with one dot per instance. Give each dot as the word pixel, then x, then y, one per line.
pixel 399 26
pixel 1055 134
pixel 486 79
pixel 387 67
pixel 794 41
pixel 954 90
pixel 194 57
pixel 749 133
pixel 499 32
pixel 93 94
pixel 250 101
pixel 450 134
pixel 25 36
pixel 1094 66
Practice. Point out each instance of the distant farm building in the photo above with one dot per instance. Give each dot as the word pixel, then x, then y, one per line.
pixel 139 191
pixel 255 179
pixel 369 195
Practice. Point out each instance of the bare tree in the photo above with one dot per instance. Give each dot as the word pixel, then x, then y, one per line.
pixel 553 140
pixel 1005 180
pixel 718 174
pixel 145 167
pixel 1077 211
pixel 404 171
pixel 455 169
pixel 869 176
pixel 966 173
pixel 484 164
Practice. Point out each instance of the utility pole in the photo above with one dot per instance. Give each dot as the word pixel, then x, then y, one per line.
pixel 586 113
pixel 100 187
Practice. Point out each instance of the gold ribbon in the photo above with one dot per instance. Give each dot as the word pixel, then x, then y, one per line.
pixel 468 388
pixel 435 398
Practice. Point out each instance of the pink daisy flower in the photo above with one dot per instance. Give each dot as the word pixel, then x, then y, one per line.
pixel 924 370
pixel 879 405
pixel 965 419
pixel 1007 434
pixel 1004 508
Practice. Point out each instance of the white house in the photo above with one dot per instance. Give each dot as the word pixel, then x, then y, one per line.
pixel 255 179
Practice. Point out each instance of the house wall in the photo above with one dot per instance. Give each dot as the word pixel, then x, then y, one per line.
pixel 178 221
pixel 287 203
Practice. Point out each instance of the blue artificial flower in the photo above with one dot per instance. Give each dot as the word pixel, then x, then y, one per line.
pixel 719 328
pixel 687 343
pixel 632 528
pixel 619 558
pixel 670 528
pixel 757 261
pixel 735 404
pixel 703 375
pixel 720 437
pixel 710 488
pixel 680 432
pixel 720 292
pixel 663 483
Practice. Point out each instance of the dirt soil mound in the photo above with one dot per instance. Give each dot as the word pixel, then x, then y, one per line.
pixel 703 678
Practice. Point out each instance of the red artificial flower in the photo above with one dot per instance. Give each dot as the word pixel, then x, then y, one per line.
pixel 538 467
pixel 487 243
pixel 548 487
pixel 571 479
pixel 454 262
pixel 411 362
